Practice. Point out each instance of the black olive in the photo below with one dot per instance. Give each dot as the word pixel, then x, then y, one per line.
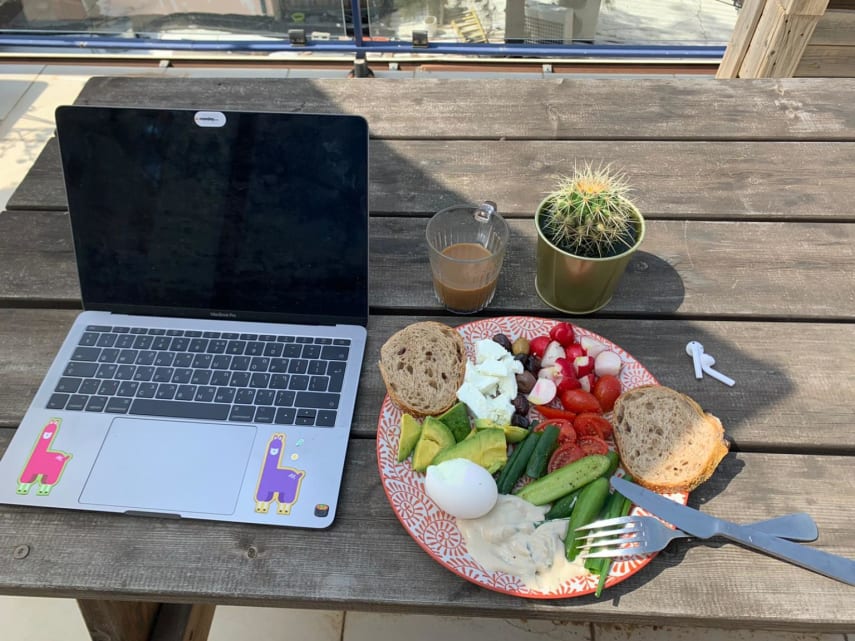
pixel 521 404
pixel 525 382
pixel 519 420
pixel 504 341
pixel 532 364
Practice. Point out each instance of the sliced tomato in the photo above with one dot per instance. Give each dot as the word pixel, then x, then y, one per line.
pixel 564 455
pixel 565 429
pixel 593 445
pixel 606 390
pixel 591 424
pixel 547 411
pixel 578 400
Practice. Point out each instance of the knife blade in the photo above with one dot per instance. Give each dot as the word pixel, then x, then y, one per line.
pixel 705 526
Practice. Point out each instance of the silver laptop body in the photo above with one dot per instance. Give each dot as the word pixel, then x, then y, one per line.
pixel 223 260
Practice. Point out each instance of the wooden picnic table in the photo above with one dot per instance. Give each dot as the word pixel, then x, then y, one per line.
pixel 748 192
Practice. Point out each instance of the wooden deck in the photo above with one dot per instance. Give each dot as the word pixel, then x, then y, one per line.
pixel 751 206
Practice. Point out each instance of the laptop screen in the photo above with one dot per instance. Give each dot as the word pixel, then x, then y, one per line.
pixel 251 216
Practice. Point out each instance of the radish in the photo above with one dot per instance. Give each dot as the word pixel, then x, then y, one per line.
pixel 587 382
pixel 568 383
pixel 553 352
pixel 583 365
pixel 575 350
pixel 537 345
pixel 553 372
pixel 592 347
pixel 607 362
pixel 542 393
pixel 566 366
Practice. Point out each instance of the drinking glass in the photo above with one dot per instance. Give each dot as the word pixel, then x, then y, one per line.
pixel 467 245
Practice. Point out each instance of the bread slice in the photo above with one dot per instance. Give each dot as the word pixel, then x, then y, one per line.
pixel 423 366
pixel 665 440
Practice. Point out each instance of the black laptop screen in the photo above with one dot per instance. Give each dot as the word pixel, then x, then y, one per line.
pixel 252 216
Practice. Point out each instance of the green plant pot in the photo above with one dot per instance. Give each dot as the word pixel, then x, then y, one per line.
pixel 574 284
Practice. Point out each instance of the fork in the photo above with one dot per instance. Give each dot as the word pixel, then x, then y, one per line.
pixel 647 534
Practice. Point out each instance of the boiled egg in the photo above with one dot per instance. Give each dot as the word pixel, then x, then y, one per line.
pixel 462 488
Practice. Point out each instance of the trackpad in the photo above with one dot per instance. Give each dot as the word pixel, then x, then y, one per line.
pixel 149 464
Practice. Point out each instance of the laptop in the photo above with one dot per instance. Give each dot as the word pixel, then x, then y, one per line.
pixel 223 265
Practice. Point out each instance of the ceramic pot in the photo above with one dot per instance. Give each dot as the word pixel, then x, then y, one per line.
pixel 575 284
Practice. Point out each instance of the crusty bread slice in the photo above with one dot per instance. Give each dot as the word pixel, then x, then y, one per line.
pixel 665 440
pixel 423 366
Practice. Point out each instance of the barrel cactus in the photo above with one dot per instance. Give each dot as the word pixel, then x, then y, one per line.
pixel 589 213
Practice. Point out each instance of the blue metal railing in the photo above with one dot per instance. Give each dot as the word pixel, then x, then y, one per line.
pixel 360 47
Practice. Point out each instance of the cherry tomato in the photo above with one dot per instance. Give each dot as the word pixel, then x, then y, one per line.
pixel 593 445
pixel 607 389
pixel 578 400
pixel 564 455
pixel 565 429
pixel 591 424
pixel 547 411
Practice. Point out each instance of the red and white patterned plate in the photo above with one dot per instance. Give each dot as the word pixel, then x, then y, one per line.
pixel 435 530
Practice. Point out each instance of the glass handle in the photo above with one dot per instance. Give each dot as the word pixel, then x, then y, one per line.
pixel 485 211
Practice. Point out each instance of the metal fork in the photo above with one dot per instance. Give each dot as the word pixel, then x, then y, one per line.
pixel 637 534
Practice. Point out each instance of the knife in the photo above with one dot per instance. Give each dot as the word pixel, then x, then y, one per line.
pixel 705 526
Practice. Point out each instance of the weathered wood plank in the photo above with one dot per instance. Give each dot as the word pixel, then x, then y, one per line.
pixel 699 268
pixel 835 27
pixel 183 622
pixel 717 180
pixel 110 620
pixel 740 39
pixel 366 549
pixel 828 61
pixel 784 389
pixel 563 108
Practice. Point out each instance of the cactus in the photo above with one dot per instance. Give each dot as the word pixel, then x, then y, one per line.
pixel 589 214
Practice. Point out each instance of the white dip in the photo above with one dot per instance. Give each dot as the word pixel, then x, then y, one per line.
pixel 505 540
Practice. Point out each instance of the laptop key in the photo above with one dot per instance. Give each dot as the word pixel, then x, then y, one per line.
pixel 284 399
pixel 127 356
pixel 77 402
pixel 57 401
pixel 273 349
pixel 146 357
pixel 161 343
pixel 180 409
pixel 292 350
pixel 341 341
pixel 278 365
pixel 96 403
pixel 298 366
pixel 163 374
pixel 185 393
pixel 279 381
pixel 109 355
pixel 311 351
pixel 125 372
pixel 147 390
pixel 318 383
pixel 259 380
pixel 89 354
pixel 336 381
pixel 264 397
pixel 221 361
pixel 259 364
pixel 166 391
pixel 125 341
pixel 98 328
pixel 89 386
pixel 299 382
pixel 144 373
pixel 240 363
pixel 182 375
pixel 285 416
pixel 143 341
pixel 225 395
pixel 68 385
pixel 164 359
pixel 305 417
pixel 325 418
pixel 335 353
pixel 239 379
pixel 85 370
pixel 88 339
pixel 202 361
pixel 254 348
pixel 128 388
pixel 179 344
pixel 317 368
pixel 317 400
pixel 106 340
pixel 235 348
pixel 107 370
pixel 198 345
pixel 205 393
pixel 184 359
pixel 220 378
pixel 201 376
pixel 265 414
pixel 118 405
pixel 108 388
pixel 243 413
pixel 217 346
pixel 245 396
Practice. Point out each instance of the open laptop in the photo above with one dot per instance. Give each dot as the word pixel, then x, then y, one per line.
pixel 223 264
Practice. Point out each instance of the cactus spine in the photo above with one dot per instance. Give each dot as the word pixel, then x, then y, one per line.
pixel 589 214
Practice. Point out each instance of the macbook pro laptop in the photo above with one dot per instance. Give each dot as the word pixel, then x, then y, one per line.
pixel 223 265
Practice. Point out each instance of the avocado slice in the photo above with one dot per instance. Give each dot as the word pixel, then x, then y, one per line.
pixel 434 438
pixel 411 429
pixel 488 448
pixel 457 420
pixel 513 434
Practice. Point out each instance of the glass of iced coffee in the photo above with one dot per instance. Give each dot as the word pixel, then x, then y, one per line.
pixel 467 245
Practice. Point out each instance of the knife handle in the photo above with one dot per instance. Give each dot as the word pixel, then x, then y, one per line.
pixel 830 565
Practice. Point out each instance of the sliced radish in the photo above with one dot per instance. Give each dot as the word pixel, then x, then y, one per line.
pixel 583 365
pixel 574 351
pixel 587 382
pixel 607 362
pixel 537 345
pixel 553 352
pixel 591 346
pixel 543 392
pixel 566 366
pixel 553 372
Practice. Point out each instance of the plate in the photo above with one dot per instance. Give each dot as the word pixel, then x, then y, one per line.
pixel 435 530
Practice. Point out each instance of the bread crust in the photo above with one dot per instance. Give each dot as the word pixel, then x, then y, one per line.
pixel 715 445
pixel 425 344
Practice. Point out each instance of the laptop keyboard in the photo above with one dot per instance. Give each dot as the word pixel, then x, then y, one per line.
pixel 261 378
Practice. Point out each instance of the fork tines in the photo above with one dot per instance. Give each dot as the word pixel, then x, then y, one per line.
pixel 598 544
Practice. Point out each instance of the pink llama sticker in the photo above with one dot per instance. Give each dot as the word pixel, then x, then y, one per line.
pixel 45 466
